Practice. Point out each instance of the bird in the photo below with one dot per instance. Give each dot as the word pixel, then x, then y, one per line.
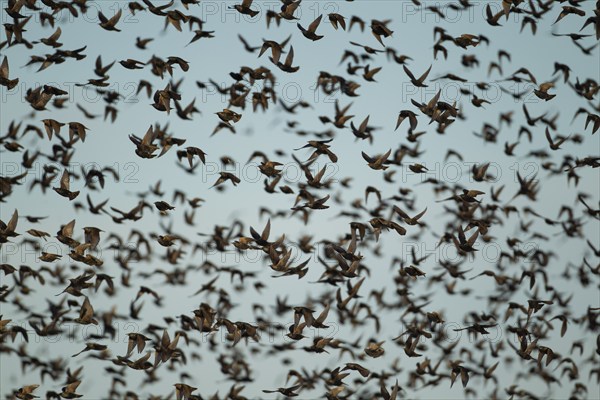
pixel 287 392
pixel 286 66
pixel 271 259
pixel 379 29
pixel 377 163
pixel 145 147
pixel 310 32
pixel 110 24
pixel 289 8
pixel 227 176
pixel 462 243
pixel 245 8
pixel 492 18
pixel 4 75
pixel 64 188
pixel 337 20
pixel 410 221
pixel 412 118
pixel 420 81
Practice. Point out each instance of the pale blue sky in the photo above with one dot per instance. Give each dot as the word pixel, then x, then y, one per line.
pixel 108 144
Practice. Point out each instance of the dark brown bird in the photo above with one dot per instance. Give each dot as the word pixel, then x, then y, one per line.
pixel 110 24
pixel 245 8
pixel 63 190
pixel 310 33
pixel 420 81
pixel 4 76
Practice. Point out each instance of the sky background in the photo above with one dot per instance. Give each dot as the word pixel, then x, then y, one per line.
pixel 108 145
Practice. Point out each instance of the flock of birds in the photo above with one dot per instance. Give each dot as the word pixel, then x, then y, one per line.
pixel 548 337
